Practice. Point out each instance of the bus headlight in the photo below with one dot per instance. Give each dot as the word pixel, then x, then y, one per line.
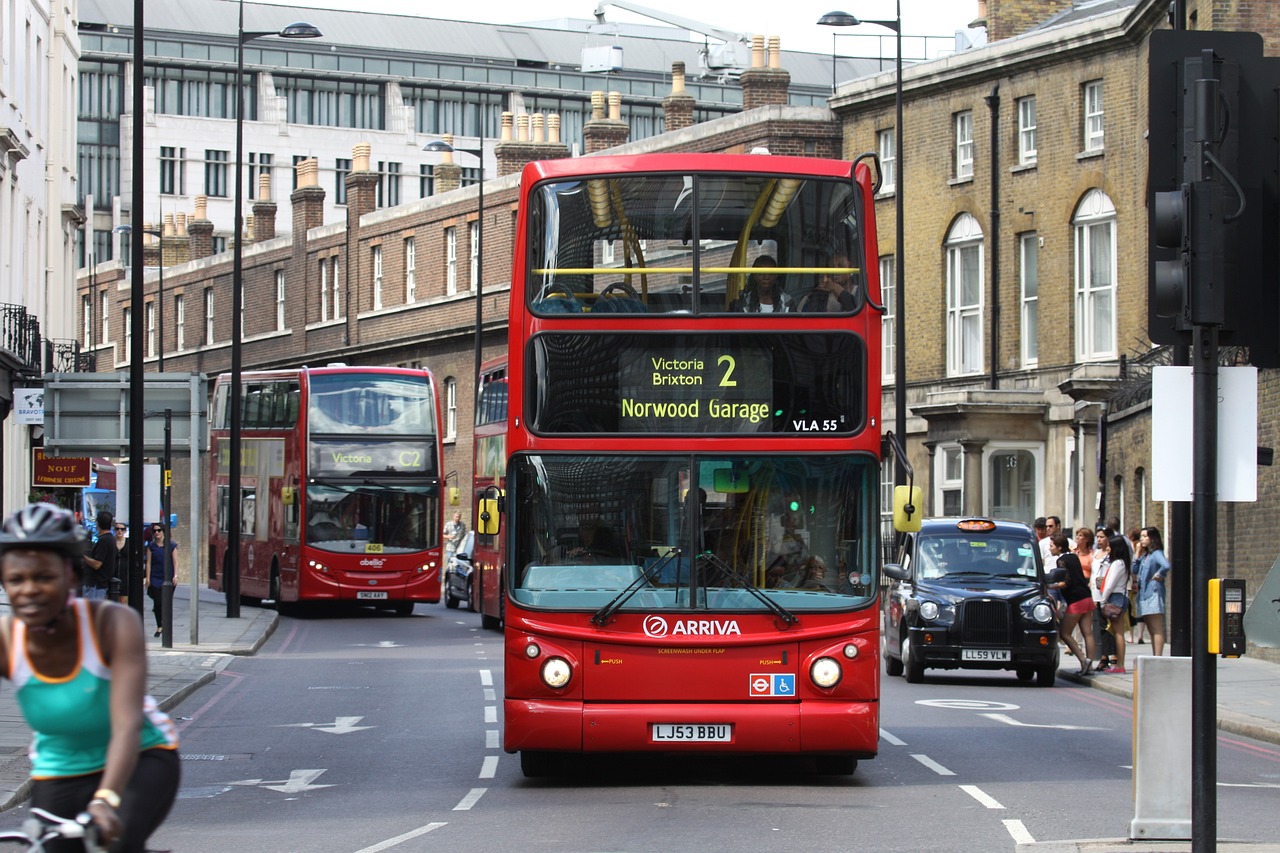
pixel 556 672
pixel 825 672
pixel 929 610
pixel 1042 612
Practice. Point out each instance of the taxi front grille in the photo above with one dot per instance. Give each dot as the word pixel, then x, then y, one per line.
pixel 986 622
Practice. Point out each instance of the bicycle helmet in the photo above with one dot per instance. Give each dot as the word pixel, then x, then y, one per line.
pixel 43 526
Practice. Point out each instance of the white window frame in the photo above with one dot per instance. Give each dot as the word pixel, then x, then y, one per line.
pixel 451 261
pixel 376 252
pixel 606 252
pixel 1029 297
pixel 451 409
pixel 474 239
pixel 965 318
pixel 106 318
pixel 1093 126
pixel 410 270
pixel 208 316
pixel 1095 277
pixel 86 308
pixel 886 143
pixel 180 322
pixel 964 144
pixel 324 290
pixel 127 322
pixel 151 329
pixel 280 295
pixel 888 297
pixel 337 289
pixel 1027 130
pixel 944 480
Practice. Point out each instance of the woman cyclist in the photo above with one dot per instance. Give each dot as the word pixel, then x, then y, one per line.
pixel 79 671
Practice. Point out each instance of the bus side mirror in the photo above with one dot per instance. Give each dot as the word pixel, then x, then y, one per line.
pixel 487 518
pixel 907 515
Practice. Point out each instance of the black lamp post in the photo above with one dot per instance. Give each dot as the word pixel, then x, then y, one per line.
pixel 843 19
pixel 440 146
pixel 231 573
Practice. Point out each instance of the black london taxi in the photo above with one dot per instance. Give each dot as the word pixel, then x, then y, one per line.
pixel 970 593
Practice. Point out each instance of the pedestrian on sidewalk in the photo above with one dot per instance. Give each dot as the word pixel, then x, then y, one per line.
pixel 1102 637
pixel 159 569
pixel 1149 603
pixel 1116 582
pixel 79 670
pixel 121 531
pixel 101 560
pixel 1136 627
pixel 1079 611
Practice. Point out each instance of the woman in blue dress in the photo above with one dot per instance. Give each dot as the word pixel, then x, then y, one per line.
pixel 1151 574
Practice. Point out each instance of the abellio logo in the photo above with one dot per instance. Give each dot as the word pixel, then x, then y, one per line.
pixel 656 626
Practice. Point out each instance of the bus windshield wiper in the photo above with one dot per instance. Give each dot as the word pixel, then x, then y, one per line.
pixel 727 571
pixel 604 614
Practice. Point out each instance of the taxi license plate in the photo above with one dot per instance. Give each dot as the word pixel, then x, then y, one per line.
pixel 692 732
pixel 984 654
pixel 365 594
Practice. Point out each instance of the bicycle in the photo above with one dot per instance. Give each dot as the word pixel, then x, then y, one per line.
pixel 42 826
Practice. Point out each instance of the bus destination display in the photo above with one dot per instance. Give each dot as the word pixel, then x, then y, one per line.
pixel 707 386
pixel 330 458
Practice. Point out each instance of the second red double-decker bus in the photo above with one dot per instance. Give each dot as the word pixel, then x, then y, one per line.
pixel 340 486
pixel 488 556
pixel 691 509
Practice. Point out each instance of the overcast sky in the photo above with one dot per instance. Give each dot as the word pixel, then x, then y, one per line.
pixel 795 23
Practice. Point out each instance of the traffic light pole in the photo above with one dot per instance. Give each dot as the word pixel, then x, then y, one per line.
pixel 1204 509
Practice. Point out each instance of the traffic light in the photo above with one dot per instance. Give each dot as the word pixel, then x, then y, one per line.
pixel 1213 182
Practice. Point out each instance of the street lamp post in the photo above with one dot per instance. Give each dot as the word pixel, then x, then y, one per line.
pixel 231 572
pixel 440 146
pixel 843 19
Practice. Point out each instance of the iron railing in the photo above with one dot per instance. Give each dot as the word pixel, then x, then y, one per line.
pixel 20 336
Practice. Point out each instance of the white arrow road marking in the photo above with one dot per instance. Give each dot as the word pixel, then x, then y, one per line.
pixel 1005 718
pixel 392 842
pixel 339 726
pixel 981 796
pixel 298 782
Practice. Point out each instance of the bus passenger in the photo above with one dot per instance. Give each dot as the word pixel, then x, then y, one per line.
pixel 763 293
pixel 834 290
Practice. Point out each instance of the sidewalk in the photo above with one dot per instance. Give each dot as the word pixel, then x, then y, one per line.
pixel 172 674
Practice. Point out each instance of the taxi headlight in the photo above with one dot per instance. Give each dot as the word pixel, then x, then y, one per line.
pixel 556 672
pixel 1042 612
pixel 929 610
pixel 825 672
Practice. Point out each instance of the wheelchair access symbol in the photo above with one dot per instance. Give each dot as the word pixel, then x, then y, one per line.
pixel 772 684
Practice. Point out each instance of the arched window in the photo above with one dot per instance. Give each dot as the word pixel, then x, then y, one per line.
pixel 1094 224
pixel 964 297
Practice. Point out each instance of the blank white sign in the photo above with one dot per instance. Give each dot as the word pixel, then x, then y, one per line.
pixel 1172 434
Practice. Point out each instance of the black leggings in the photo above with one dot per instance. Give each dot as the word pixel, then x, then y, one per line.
pixel 156 594
pixel 144 803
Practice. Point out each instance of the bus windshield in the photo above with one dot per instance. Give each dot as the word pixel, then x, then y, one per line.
pixel 799 529
pixel 393 520
pixel 358 403
pixel 695 243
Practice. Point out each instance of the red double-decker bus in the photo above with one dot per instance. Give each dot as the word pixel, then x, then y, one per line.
pixel 690 518
pixel 340 486
pixel 488 554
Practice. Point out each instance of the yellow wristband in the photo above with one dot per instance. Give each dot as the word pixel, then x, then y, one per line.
pixel 108 796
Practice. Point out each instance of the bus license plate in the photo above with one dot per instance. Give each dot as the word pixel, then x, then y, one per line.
pixel 365 594
pixel 692 732
pixel 985 654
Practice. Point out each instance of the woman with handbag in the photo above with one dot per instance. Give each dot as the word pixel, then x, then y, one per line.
pixel 1115 598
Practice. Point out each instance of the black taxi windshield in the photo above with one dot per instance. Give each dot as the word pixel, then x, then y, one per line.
pixel 695 244
pixel 957 555
pixel 747 533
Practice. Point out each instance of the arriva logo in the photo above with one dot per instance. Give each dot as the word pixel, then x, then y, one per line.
pixel 656 626
pixel 372 561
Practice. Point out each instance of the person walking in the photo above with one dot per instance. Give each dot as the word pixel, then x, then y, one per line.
pixel 121 532
pixel 1116 583
pixel 453 532
pixel 79 670
pixel 101 561
pixel 159 569
pixel 1149 604
pixel 1074 590
pixel 1101 559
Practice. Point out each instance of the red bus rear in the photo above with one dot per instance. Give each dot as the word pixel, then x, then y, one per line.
pixel 340 486
pixel 690 516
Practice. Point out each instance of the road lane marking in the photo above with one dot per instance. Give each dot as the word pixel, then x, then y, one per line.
pixel 981 796
pixel 1005 718
pixel 967 704
pixel 491 713
pixel 890 739
pixel 491 739
pixel 489 767
pixel 486 678
pixel 490 695
pixel 392 842
pixel 1019 832
pixel 339 726
pixel 473 796
pixel 932 765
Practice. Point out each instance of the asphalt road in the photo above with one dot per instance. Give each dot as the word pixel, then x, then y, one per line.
pixel 361 732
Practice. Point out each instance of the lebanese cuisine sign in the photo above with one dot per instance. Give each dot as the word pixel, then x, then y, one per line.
pixel 59 471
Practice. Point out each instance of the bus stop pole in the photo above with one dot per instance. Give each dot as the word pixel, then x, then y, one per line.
pixel 166 552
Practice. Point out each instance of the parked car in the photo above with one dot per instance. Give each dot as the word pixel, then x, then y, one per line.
pixel 458 573
pixel 970 593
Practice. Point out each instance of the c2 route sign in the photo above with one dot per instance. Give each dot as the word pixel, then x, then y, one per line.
pixel 772 684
